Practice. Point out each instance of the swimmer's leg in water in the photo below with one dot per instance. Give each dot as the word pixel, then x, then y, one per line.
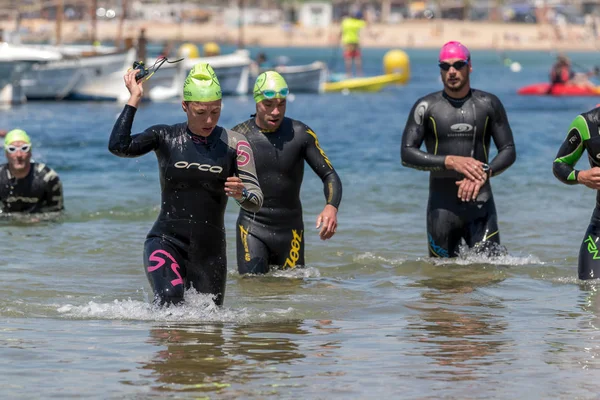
pixel 444 233
pixel 589 253
pixel 252 253
pixel 165 269
pixel 483 236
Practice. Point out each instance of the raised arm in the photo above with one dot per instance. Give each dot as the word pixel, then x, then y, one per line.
pixel 503 139
pixel 414 133
pixel 123 144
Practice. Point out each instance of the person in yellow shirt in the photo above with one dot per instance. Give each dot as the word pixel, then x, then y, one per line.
pixel 350 35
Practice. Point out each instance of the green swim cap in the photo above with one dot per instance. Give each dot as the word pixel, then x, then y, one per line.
pixel 16 135
pixel 202 84
pixel 270 85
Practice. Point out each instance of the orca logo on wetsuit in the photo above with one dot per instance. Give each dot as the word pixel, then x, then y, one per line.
pixel 215 169
pixel 461 128
pixel 420 112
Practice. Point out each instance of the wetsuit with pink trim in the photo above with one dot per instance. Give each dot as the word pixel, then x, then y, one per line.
pixel 274 236
pixel 583 136
pixel 461 127
pixel 186 246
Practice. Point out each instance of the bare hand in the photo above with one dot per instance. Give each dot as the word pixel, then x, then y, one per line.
pixel 468 190
pixel 234 187
pixel 327 221
pixel 3 133
pixel 468 166
pixel 135 88
pixel 590 178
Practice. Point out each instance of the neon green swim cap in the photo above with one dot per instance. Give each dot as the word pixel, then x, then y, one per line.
pixel 16 135
pixel 202 84
pixel 270 85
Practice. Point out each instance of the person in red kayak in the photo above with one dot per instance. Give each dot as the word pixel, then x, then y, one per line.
pixel 562 73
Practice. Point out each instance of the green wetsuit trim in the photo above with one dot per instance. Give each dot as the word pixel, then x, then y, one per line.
pixel 580 125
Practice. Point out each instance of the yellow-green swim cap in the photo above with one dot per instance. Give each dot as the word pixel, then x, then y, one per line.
pixel 270 85
pixel 202 84
pixel 16 135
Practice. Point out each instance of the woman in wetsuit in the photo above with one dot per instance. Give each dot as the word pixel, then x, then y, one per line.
pixel 457 126
pixel 200 165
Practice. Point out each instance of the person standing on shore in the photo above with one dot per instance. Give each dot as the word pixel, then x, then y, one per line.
pixel 457 125
pixel 350 37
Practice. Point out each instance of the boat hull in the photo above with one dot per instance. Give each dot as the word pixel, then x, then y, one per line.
pixel 558 89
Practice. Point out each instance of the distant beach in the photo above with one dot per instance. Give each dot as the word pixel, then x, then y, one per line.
pixel 407 34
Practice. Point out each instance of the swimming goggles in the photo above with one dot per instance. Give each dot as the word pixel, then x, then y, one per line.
pixel 271 94
pixel 457 65
pixel 13 149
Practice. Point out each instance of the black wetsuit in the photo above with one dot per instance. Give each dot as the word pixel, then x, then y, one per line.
pixel 460 127
pixel 275 234
pixel 186 246
pixel 583 135
pixel 40 191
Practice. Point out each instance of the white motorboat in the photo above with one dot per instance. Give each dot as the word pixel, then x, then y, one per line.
pixel 15 60
pixel 308 78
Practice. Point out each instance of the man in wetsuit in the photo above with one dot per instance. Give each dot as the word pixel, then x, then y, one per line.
pixel 274 236
pixel 457 125
pixel 583 136
pixel 200 165
pixel 27 186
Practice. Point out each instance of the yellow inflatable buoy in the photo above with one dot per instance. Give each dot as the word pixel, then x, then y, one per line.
pixel 397 62
pixel 188 50
pixel 211 49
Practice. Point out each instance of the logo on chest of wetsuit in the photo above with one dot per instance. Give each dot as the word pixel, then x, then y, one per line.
pixel 461 128
pixel 215 169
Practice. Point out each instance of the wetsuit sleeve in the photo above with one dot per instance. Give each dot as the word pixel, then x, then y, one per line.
pixel 54 192
pixel 414 133
pixel 246 170
pixel 123 144
pixel 503 139
pixel 570 152
pixel 319 162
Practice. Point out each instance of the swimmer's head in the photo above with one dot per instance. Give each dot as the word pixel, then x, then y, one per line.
pixel 202 84
pixel 270 92
pixel 270 85
pixel 454 50
pixel 16 135
pixel 17 147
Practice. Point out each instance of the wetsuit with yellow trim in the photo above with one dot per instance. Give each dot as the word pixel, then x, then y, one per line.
pixel 186 246
pixel 274 236
pixel 583 136
pixel 459 127
pixel 40 191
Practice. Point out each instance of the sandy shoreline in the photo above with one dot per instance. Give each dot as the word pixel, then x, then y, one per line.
pixel 409 34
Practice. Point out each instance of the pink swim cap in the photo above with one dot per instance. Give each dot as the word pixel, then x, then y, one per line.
pixel 454 50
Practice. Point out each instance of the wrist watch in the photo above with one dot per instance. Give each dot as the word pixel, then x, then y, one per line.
pixel 244 196
pixel 487 170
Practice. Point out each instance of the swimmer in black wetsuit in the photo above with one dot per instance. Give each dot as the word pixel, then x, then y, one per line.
pixel 26 186
pixel 200 164
pixel 457 125
pixel 583 136
pixel 274 236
